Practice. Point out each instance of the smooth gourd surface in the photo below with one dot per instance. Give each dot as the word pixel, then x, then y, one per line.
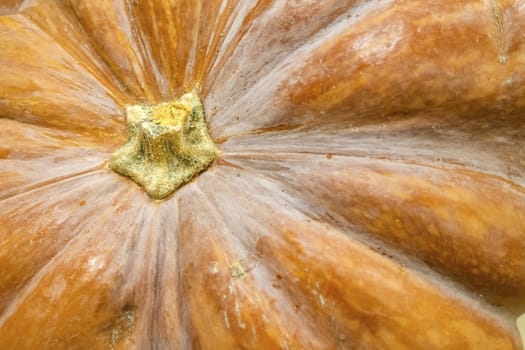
pixel 369 192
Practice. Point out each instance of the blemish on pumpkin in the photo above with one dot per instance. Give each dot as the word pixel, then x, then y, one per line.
pixel 123 326
pixel 402 268
pixel 296 308
pixel 214 268
pixel 4 152
pixel 222 161
pixel 241 267
pixel 281 127
pixel 221 140
pixel 502 59
pixel 237 270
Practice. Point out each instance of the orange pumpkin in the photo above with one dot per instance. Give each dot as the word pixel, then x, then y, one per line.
pixel 367 191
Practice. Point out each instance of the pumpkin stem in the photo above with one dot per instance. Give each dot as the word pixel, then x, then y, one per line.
pixel 168 145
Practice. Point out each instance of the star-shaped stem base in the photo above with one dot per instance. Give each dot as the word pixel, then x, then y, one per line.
pixel 168 145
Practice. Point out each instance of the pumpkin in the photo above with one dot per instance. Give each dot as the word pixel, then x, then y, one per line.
pixel 361 183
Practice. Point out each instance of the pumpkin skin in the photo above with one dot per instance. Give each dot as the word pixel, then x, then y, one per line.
pixel 369 193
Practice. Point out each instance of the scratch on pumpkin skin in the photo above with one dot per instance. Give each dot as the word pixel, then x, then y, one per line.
pixel 254 333
pixel 226 320
pixel 496 13
pixel 498 19
pixel 321 299
pixel 241 324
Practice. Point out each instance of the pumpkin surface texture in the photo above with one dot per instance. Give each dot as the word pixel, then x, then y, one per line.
pixel 262 174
